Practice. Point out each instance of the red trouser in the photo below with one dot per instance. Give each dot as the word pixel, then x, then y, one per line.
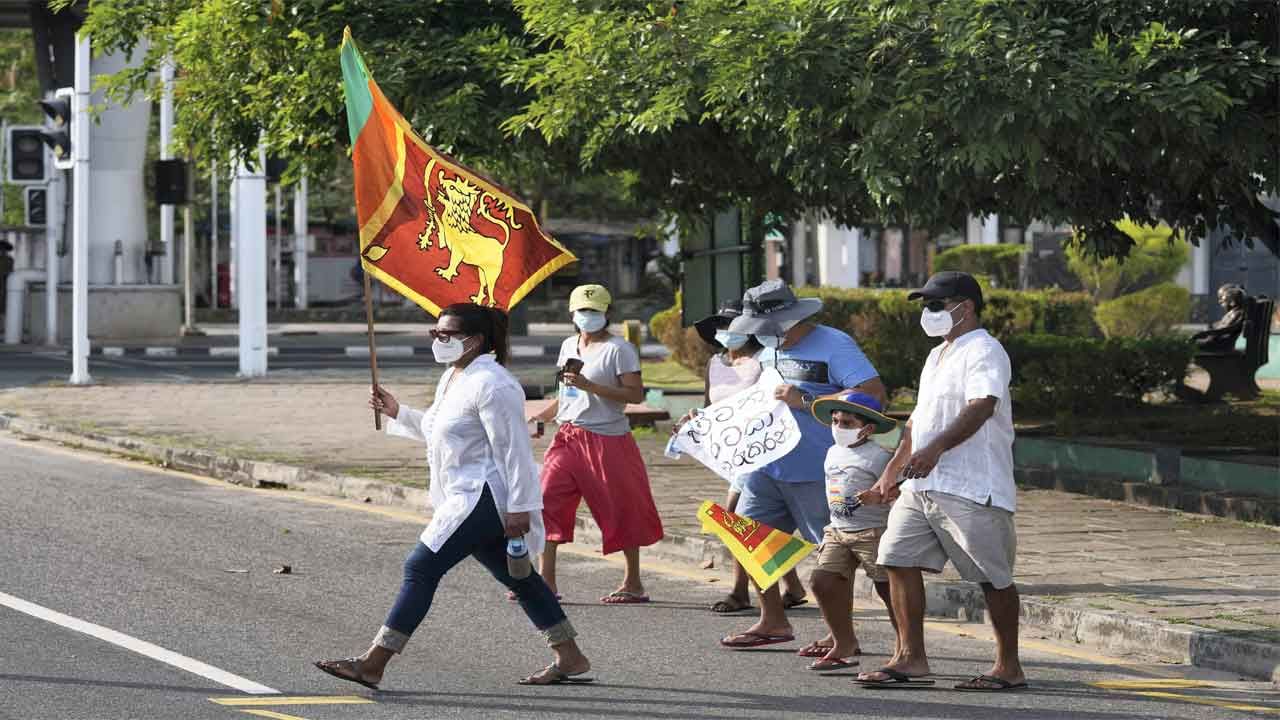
pixel 606 471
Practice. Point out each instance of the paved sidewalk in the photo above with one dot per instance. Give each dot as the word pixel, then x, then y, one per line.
pixel 1076 554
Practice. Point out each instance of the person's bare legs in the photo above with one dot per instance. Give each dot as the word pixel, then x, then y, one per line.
pixel 1002 605
pixel 835 598
pixel 548 566
pixel 631 576
pixel 886 596
pixel 773 616
pixel 906 587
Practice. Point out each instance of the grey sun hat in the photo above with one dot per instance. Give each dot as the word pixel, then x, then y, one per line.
pixel 768 305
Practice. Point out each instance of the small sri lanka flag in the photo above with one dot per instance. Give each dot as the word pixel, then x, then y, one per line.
pixel 766 553
pixel 432 229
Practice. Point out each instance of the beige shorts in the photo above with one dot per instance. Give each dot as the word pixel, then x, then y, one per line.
pixel 841 553
pixel 928 528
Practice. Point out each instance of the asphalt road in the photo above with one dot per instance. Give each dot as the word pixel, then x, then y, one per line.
pixel 187 564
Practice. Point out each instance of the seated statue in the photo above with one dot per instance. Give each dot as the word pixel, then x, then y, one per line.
pixel 1222 335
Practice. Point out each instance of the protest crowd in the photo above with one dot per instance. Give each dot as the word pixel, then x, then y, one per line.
pixel 791 410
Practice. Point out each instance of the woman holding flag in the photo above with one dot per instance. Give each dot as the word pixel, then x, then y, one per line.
pixel 484 489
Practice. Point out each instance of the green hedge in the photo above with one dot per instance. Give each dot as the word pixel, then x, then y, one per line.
pixel 1055 375
pixel 1146 313
pixel 997 262
pixel 887 325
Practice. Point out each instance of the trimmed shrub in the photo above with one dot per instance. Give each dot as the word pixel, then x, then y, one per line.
pixel 1152 261
pixel 997 262
pixel 686 346
pixel 1146 313
pixel 1063 376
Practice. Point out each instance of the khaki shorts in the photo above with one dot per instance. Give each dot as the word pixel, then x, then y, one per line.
pixel 841 552
pixel 928 528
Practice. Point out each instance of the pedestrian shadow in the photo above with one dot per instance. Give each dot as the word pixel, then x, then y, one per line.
pixel 587 700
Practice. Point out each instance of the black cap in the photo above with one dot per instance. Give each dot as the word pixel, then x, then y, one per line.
pixel 708 326
pixel 950 284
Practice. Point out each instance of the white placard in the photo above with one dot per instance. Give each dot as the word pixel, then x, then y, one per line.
pixel 742 433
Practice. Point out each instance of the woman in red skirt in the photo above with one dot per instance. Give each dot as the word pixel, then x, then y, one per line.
pixel 593 456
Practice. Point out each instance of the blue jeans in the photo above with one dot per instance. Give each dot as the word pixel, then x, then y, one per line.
pixel 482 536
pixel 786 506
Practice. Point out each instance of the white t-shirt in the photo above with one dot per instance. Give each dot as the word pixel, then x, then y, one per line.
pixel 849 471
pixel 980 469
pixel 602 365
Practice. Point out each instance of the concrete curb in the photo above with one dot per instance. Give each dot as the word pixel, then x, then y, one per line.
pixel 1109 631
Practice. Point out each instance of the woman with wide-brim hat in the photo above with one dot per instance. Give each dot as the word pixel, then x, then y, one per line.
pixel 735 367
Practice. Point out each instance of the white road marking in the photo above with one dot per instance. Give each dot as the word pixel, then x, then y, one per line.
pixel 142 647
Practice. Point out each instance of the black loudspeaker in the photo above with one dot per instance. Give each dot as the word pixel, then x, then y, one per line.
pixel 171 182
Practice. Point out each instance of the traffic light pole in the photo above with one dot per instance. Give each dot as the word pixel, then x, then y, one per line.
pixel 80 216
pixel 166 153
pixel 55 226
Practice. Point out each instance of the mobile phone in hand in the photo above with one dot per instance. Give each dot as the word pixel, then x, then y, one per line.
pixel 573 365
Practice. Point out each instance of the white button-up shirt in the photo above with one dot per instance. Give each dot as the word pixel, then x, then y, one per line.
pixel 980 469
pixel 476 434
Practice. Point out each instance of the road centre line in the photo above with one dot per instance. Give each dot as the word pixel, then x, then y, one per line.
pixel 292 700
pixel 142 647
pixel 271 714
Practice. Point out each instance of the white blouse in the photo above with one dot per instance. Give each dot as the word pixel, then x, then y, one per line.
pixel 476 434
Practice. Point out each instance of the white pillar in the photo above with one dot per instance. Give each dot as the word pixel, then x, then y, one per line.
pixel 991 230
pixel 233 259
pixel 301 243
pixel 277 259
pixel 166 140
pixel 250 221
pixel 55 217
pixel 823 239
pixel 80 216
pixel 119 134
pixel 1201 261
pixel 213 234
pixel 853 258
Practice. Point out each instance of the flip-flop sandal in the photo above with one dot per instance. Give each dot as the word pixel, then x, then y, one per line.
pixel 790 601
pixel 895 679
pixel 816 649
pixel 975 684
pixel 828 664
pixel 730 605
pixel 622 597
pixel 756 640
pixel 556 676
pixel 330 667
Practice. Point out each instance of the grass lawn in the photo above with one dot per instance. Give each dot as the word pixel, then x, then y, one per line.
pixel 669 375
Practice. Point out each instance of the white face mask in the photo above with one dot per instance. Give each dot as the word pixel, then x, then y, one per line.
pixel 769 341
pixel 732 340
pixel 589 321
pixel 845 437
pixel 447 353
pixel 938 324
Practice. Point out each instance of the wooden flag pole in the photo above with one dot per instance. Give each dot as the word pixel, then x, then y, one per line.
pixel 373 350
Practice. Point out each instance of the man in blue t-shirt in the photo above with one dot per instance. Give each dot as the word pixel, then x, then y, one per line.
pixel 790 494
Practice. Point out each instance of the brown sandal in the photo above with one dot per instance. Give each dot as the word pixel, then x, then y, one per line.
pixel 331 667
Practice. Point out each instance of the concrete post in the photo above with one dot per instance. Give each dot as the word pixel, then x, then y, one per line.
pixel 213 235
pixel 80 216
pixel 54 229
pixel 277 258
pixel 250 222
pixel 166 140
pixel 301 243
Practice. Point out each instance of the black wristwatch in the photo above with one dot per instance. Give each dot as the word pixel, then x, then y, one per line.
pixel 807 399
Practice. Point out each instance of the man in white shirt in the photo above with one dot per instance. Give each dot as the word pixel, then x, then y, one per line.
pixel 957 495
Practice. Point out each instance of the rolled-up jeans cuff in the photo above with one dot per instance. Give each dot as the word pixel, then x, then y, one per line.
pixel 561 632
pixel 391 639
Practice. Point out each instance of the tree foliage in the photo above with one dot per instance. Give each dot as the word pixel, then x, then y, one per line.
pixel 921 111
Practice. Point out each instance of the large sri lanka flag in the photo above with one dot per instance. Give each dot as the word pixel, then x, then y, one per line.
pixel 432 229
pixel 764 552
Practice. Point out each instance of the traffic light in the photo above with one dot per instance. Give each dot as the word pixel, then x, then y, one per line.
pixel 58 137
pixel 24 155
pixel 37 213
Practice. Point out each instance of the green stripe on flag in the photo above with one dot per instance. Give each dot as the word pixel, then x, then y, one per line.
pixel 355 83
pixel 793 546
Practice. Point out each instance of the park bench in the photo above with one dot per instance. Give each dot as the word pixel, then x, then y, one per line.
pixel 1232 371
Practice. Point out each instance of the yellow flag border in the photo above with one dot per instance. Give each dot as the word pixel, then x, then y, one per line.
pixel 744 556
